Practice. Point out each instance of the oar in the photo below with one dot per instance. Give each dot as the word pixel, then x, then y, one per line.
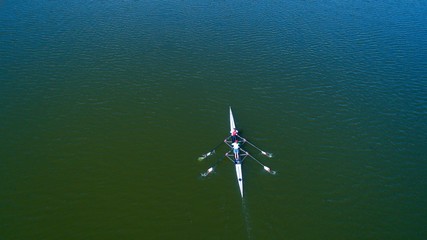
pixel 204 156
pixel 211 169
pixel 256 160
pixel 263 152
pixel 207 172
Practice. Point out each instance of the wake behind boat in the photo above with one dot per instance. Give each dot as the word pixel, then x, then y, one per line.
pixel 237 155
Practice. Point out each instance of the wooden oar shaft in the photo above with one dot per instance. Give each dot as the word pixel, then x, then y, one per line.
pixel 256 160
pixel 253 145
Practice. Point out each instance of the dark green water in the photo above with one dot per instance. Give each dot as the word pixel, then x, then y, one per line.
pixel 106 105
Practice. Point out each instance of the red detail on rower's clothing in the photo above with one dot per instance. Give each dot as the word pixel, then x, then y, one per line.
pixel 234 133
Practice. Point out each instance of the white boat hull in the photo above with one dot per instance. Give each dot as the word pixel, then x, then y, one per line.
pixel 238 164
pixel 232 125
pixel 239 177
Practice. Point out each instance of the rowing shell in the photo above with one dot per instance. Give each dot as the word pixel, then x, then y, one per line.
pixel 242 155
pixel 237 163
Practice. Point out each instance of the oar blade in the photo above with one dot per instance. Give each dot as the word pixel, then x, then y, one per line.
pixel 270 155
pixel 210 170
pixel 204 156
pixel 267 169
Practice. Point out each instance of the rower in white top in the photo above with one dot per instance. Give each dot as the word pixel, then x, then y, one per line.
pixel 236 147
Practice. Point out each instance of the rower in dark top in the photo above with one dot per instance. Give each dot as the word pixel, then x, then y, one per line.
pixel 234 135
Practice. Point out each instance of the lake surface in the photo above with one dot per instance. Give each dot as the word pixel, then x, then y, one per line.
pixel 105 107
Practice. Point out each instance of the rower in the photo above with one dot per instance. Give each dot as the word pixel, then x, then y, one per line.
pixel 234 135
pixel 235 145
